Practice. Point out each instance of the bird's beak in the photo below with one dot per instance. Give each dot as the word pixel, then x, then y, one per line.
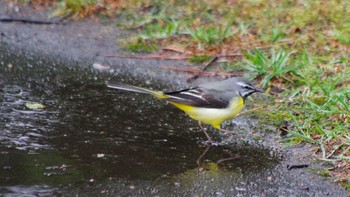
pixel 259 90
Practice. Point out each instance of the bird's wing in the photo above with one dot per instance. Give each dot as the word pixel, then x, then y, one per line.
pixel 196 97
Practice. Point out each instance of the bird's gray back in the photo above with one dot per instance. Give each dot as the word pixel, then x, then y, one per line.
pixel 224 89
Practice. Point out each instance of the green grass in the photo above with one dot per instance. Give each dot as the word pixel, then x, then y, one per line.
pixel 318 108
pixel 211 35
pixel 314 100
pixel 314 97
pixel 75 7
pixel 160 31
pixel 139 45
pixel 275 66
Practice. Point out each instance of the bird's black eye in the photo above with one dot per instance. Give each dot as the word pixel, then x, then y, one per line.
pixel 247 87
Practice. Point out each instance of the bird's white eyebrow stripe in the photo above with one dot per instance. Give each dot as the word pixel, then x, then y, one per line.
pixel 242 84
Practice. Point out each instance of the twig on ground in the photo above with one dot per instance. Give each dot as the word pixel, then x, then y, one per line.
pixel 152 56
pixel 170 57
pixel 9 19
pixel 202 69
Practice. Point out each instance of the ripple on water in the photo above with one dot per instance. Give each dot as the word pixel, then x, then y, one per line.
pixel 35 190
pixel 23 128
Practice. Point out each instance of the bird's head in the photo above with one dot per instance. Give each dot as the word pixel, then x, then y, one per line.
pixel 246 88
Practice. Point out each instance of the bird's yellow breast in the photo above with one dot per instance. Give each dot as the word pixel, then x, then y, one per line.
pixel 213 116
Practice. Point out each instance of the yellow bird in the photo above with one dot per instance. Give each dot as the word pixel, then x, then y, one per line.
pixel 209 103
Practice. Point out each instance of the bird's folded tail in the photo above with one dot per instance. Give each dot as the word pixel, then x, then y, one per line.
pixel 131 88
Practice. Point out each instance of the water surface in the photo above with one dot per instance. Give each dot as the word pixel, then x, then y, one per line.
pixel 93 140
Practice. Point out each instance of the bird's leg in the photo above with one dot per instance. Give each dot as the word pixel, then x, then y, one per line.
pixel 200 158
pixel 210 141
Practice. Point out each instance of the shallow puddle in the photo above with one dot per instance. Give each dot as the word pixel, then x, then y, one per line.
pixel 94 140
